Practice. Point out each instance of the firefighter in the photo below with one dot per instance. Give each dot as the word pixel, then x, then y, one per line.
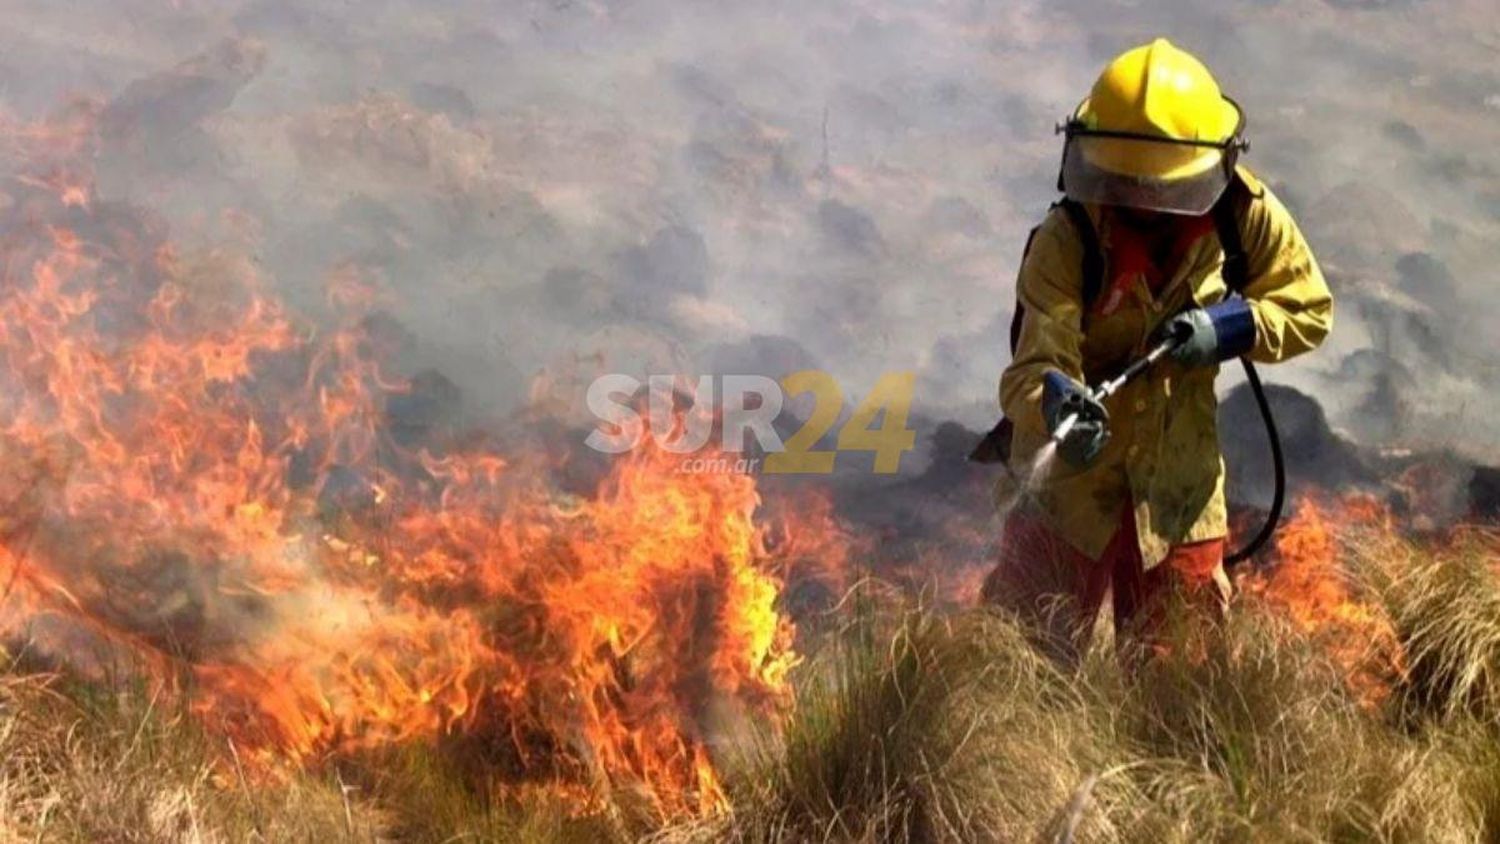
pixel 1159 228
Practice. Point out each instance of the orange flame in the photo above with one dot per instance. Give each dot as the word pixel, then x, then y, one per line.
pixel 1307 582
pixel 200 484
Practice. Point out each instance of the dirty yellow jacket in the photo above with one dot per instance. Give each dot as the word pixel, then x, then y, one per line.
pixel 1163 456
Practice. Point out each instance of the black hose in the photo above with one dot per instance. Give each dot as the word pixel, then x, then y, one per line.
pixel 1278 464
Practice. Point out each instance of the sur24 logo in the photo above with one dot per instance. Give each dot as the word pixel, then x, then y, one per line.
pixel 877 424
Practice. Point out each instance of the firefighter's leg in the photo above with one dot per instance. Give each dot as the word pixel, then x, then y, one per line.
pixel 1051 589
pixel 1185 594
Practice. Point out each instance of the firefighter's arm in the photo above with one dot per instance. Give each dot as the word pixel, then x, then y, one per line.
pixel 1049 288
pixel 1288 296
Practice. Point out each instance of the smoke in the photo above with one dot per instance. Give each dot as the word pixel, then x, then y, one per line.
pixel 668 186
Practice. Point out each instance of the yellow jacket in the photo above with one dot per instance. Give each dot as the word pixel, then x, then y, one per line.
pixel 1163 454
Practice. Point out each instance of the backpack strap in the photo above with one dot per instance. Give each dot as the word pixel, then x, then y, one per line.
pixel 1093 256
pixel 1227 226
pixel 1092 269
pixel 1231 208
pixel 1019 315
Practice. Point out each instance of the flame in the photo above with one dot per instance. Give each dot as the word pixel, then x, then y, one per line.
pixel 1307 582
pixel 197 484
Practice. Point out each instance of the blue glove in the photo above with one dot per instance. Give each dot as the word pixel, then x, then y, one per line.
pixel 1063 397
pixel 1213 334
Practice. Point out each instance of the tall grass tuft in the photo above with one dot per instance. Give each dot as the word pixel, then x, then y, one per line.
pixel 887 743
pixel 81 763
pixel 952 728
pixel 1445 603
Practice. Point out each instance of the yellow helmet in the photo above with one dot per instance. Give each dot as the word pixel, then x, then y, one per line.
pixel 1155 132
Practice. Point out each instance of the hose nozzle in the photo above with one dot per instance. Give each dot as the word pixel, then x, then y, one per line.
pixel 1112 386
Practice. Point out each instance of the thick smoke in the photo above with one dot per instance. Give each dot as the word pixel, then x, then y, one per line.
pixel 655 186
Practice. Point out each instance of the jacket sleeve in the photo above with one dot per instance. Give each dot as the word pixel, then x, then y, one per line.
pixel 1290 299
pixel 1049 288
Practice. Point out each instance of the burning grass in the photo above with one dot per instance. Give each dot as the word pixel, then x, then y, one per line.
pixel 911 724
pixel 209 493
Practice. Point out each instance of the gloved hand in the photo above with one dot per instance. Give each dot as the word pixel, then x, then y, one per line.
pixel 1063 397
pixel 1213 334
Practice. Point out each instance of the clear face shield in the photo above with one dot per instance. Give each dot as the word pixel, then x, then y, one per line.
pixel 1147 172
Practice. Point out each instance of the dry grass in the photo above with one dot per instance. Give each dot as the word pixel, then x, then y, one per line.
pixel 925 728
pixel 1445 604
pixel 961 733
pixel 911 726
pixel 87 764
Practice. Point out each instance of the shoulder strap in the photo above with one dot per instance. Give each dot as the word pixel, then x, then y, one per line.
pixel 1020 313
pixel 1226 213
pixel 1093 257
pixel 1092 269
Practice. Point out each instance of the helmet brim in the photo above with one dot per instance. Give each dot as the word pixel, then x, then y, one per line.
pixel 1104 176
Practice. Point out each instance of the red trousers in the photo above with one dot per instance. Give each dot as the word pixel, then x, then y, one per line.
pixel 1057 591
